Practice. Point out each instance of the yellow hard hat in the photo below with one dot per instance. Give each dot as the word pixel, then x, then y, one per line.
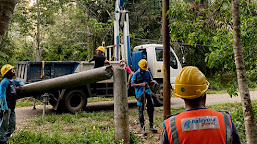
pixel 190 83
pixel 143 64
pixel 5 69
pixel 101 48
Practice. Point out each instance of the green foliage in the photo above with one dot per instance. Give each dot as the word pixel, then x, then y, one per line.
pixel 67 31
pixel 71 30
pixel 208 29
pixel 145 21
pixel 232 88
pixel 7 50
pixel 236 112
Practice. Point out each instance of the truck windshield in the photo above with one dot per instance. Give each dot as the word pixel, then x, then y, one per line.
pixel 159 57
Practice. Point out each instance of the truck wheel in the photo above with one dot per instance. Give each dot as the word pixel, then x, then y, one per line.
pixel 75 100
pixel 158 95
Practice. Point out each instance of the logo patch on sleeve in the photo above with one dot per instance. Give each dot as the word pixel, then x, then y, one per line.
pixel 198 123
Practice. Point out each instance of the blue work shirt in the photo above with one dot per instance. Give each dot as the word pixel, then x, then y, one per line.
pixel 139 78
pixel 3 87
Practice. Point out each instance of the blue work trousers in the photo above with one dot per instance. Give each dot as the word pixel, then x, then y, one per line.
pixel 150 111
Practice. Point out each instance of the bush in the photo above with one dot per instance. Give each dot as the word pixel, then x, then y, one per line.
pixel 236 112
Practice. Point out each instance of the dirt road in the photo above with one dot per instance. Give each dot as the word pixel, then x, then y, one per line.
pixel 27 112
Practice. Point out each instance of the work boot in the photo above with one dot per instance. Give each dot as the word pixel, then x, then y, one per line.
pixel 151 128
pixel 143 132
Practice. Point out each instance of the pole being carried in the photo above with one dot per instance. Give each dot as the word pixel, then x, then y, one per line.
pixel 68 81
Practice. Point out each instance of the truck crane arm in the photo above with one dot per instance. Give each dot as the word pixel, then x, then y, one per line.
pixel 121 17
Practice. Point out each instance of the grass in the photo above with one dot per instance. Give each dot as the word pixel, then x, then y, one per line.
pixel 216 92
pixel 225 91
pixel 26 102
pixel 97 99
pixel 29 101
pixel 98 127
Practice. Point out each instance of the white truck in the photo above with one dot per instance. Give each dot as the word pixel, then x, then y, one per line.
pixel 153 54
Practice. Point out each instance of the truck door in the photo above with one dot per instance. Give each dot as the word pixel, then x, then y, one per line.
pixel 175 65
pixel 136 57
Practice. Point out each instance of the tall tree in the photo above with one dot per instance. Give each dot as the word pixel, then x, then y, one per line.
pixel 38 53
pixel 6 11
pixel 250 123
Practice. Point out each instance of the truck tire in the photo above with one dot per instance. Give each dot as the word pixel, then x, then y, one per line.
pixel 75 100
pixel 158 95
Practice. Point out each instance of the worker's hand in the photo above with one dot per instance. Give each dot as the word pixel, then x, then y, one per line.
pixel 21 87
pixel 128 83
pixel 143 84
pixel 155 82
pixel 107 62
pixel 5 111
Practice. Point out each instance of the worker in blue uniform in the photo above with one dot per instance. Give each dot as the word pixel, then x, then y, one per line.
pixel 141 81
pixel 8 101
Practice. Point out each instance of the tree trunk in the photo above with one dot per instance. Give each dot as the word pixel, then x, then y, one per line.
pixel 6 11
pixel 250 123
pixel 87 35
pixel 38 53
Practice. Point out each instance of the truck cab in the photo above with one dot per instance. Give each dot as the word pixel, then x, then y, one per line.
pixel 153 54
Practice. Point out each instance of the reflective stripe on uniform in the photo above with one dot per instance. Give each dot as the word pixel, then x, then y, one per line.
pixel 191 126
pixel 165 131
pixel 228 127
pixel 174 131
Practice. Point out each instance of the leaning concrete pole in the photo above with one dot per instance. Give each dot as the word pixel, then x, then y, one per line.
pixel 121 118
pixel 68 81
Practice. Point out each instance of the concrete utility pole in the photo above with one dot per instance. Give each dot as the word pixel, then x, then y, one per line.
pixel 68 81
pixel 166 59
pixel 121 118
